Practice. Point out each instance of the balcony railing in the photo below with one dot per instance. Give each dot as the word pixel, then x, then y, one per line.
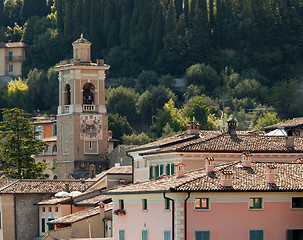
pixel 88 108
pixel 15 59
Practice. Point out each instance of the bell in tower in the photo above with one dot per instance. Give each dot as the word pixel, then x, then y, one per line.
pixel 82 117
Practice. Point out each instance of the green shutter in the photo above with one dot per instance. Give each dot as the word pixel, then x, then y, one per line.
pixel 121 234
pixel 52 226
pixel 43 225
pixel 167 169
pixel 166 235
pixel 10 56
pixel 256 235
pixel 157 171
pixel 202 235
pixel 172 169
pixel 161 169
pixel 144 234
pixel 150 172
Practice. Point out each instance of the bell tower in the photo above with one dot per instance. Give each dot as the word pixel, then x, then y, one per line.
pixel 81 118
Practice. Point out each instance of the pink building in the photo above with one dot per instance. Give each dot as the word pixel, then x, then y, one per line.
pixel 238 201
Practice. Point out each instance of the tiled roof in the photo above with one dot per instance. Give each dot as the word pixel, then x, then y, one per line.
pixel 82 40
pixel 2 45
pixel 53 201
pixel 92 201
pixel 178 139
pixel 235 143
pixel 50 139
pixel 16 44
pixel 295 122
pixel 44 122
pixel 128 147
pixel 44 186
pixel 288 178
pixel 78 216
pixel 114 170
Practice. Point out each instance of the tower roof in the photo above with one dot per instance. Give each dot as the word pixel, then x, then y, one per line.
pixel 82 40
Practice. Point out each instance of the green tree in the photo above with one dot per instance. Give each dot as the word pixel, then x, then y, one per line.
pixel 18 145
pixel 268 118
pixel 135 139
pixel 119 126
pixel 122 100
pixel 145 80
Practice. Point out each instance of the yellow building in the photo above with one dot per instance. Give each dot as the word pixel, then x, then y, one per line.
pixel 12 54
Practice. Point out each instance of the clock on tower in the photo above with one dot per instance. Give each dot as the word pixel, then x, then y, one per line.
pixel 82 118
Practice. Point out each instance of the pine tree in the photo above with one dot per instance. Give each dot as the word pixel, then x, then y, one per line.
pixel 18 145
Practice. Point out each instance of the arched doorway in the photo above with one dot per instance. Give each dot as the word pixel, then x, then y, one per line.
pixel 88 93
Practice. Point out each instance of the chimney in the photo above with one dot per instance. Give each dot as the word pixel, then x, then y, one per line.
pixel 100 62
pixel 246 159
pixel 226 178
pixel 232 126
pixel 67 187
pixel 193 128
pixel 179 170
pixel 92 171
pixel 290 143
pixel 209 164
pixel 270 173
pixel 110 134
pixel 52 117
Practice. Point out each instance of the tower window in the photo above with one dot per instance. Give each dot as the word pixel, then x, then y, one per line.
pixel 67 95
pixel 88 93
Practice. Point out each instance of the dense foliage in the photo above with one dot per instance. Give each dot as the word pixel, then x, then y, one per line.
pixel 244 55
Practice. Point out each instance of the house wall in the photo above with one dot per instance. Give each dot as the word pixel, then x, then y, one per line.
pixel 7 231
pixel 50 158
pixel 2 62
pixel 17 65
pixel 27 215
pixel 228 216
pixel 155 219
pixel 118 155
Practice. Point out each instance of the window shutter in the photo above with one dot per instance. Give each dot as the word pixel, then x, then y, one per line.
pixel 157 171
pixel 289 235
pixel 166 235
pixel 172 169
pixel 43 225
pixel 150 172
pixel 144 234
pixel 202 235
pixel 121 235
pixel 167 169
pixel 161 169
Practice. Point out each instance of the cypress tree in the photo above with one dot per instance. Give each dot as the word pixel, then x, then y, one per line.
pixel 68 21
pixel 1 13
pixel 126 13
pixel 60 21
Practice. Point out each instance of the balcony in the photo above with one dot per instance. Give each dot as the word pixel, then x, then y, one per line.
pixel 15 58
pixel 88 108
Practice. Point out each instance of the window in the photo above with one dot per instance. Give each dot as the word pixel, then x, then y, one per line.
pixel 255 203
pixel 166 234
pixel 201 203
pixel 202 235
pixel 157 171
pixel 167 169
pixel 144 204
pixel 10 68
pixel 256 235
pixel 121 234
pixel 51 226
pixel 144 234
pixel 161 169
pixel 48 149
pixel 297 202
pixel 150 172
pixel 295 234
pixel 55 148
pixel 43 209
pixel 166 204
pixel 56 209
pixel 39 130
pixel 172 169
pixel 43 224
pixel 90 145
pixel 10 56
pixel 121 204
pixel 50 209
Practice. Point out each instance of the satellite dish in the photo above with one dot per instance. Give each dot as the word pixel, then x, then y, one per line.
pixel 74 193
pixel 61 194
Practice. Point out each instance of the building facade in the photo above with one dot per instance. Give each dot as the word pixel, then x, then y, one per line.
pixel 82 123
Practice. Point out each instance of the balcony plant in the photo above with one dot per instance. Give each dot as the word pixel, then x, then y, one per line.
pixel 119 212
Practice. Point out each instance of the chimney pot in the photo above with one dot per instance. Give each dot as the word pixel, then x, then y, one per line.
pixel 290 143
pixel 209 164
pixel 226 179
pixel 67 187
pixel 246 159
pixel 232 126
pixel 193 128
pixel 179 170
pixel 270 173
pixel 92 171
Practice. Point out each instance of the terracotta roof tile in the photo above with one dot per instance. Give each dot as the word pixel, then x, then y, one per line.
pixel 92 201
pixel 114 170
pixel 78 216
pixel 128 147
pixel 44 186
pixel 16 45
pixel 295 122
pixel 288 178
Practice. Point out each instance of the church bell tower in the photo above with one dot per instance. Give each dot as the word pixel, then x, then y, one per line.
pixel 82 118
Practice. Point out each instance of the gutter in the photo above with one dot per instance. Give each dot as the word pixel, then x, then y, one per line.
pixel 185 215
pixel 173 215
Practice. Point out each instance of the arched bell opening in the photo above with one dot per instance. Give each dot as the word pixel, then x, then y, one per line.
pixel 67 94
pixel 88 94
